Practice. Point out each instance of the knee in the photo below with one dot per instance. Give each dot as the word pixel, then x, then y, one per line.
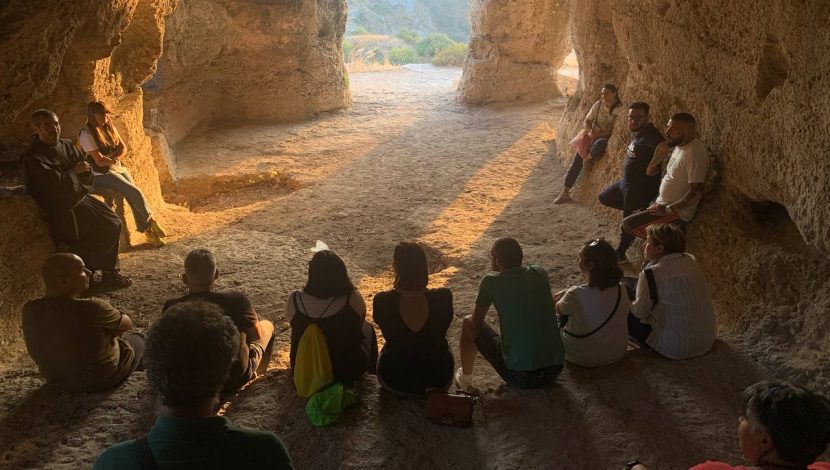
pixel 266 329
pixel 598 148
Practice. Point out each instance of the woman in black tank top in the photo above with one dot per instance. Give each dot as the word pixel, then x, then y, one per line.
pixel 328 300
pixel 414 321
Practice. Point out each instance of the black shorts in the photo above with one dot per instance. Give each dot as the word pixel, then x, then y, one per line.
pixel 488 343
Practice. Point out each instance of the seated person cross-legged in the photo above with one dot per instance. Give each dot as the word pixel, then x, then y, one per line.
pixel 414 322
pixel 190 350
pixel 673 312
pixel 781 426
pixel 81 344
pixel 331 301
pixel 256 336
pixel 593 315
pixel 529 352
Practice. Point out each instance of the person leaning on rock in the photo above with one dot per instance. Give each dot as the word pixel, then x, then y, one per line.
pixel 528 353
pixel 256 336
pixel 59 179
pixel 82 344
pixel 190 350
pixel 637 188
pixel 682 187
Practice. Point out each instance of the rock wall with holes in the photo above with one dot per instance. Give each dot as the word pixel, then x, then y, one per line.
pixel 60 54
pixel 515 50
pixel 756 77
pixel 227 61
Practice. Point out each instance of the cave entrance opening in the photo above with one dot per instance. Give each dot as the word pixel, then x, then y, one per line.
pixel 567 77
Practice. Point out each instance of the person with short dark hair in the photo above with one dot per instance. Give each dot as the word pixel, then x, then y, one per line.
pixel 190 350
pixel 781 426
pixel 79 344
pixel 414 321
pixel 681 189
pixel 528 353
pixel 331 301
pixel 598 124
pixel 59 179
pixel 673 312
pixel 593 315
pixel 636 189
pixel 256 336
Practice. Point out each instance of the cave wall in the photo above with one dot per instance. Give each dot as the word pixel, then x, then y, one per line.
pixel 226 60
pixel 60 54
pixel 516 49
pixel 755 76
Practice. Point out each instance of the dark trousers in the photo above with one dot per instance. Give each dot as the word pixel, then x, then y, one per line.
pixel 629 198
pixel 638 330
pixel 596 152
pixel 635 224
pixel 137 342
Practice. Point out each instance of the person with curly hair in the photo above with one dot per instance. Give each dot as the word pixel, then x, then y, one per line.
pixel 190 350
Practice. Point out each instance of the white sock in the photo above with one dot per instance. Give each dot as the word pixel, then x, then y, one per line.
pixel 464 380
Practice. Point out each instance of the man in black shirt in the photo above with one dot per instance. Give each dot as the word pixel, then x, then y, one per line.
pixel 59 180
pixel 256 336
pixel 636 189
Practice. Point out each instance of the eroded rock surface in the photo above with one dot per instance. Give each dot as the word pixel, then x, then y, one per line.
pixel 227 60
pixel 515 51
pixel 755 76
pixel 60 55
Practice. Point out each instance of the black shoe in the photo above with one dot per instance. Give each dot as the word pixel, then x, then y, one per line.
pixel 116 279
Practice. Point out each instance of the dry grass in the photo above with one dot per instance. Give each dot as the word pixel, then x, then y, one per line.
pixel 357 65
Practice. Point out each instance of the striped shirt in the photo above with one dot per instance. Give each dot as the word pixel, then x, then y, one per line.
pixel 684 318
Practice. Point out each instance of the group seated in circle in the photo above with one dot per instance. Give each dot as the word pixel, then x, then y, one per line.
pixel 85 344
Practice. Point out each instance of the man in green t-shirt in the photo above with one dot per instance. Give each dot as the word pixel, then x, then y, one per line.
pixel 189 353
pixel 529 352
pixel 79 344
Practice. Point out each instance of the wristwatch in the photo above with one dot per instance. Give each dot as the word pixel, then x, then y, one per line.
pixel 632 464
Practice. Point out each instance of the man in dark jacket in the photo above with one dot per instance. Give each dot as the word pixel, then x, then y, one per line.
pixel 59 180
pixel 636 189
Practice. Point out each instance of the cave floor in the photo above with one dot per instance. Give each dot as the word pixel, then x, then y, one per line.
pixel 407 161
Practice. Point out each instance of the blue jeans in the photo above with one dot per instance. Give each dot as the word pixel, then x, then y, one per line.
pixel 596 152
pixel 122 182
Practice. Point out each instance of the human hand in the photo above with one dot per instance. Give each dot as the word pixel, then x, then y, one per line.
pixel 657 209
pixel 558 296
pixel 81 167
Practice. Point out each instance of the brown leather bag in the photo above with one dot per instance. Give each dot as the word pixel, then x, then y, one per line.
pixel 451 409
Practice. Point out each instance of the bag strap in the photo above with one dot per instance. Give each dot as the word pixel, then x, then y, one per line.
pixel 614 310
pixel 148 461
pixel 652 287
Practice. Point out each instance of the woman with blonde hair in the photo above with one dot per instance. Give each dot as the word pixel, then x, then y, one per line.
pixel 104 149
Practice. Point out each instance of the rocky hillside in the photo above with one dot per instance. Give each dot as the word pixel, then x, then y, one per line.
pixel 424 16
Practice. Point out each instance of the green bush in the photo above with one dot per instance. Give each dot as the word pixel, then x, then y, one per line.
pixel 430 45
pixel 408 36
pixel 358 31
pixel 347 51
pixel 402 55
pixel 452 56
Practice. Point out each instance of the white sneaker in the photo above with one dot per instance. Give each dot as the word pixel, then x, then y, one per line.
pixel 463 381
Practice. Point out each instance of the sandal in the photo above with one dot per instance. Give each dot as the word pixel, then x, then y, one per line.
pixel 115 278
pixel 563 198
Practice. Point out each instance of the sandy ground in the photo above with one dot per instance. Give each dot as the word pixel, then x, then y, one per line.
pixel 406 162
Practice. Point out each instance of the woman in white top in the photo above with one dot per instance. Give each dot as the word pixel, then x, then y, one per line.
pixel 599 123
pixel 673 313
pixel 104 149
pixel 593 315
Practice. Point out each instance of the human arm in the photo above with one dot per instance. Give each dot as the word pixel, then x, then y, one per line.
pixel 126 324
pixel 90 146
pixel 358 304
pixel 657 159
pixel 641 307
pixel 51 185
pixel 590 118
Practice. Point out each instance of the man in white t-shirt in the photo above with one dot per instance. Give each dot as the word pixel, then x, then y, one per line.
pixel 682 186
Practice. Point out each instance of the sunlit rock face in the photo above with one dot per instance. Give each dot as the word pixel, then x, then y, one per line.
pixel 756 77
pixel 60 54
pixel 229 60
pixel 515 50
